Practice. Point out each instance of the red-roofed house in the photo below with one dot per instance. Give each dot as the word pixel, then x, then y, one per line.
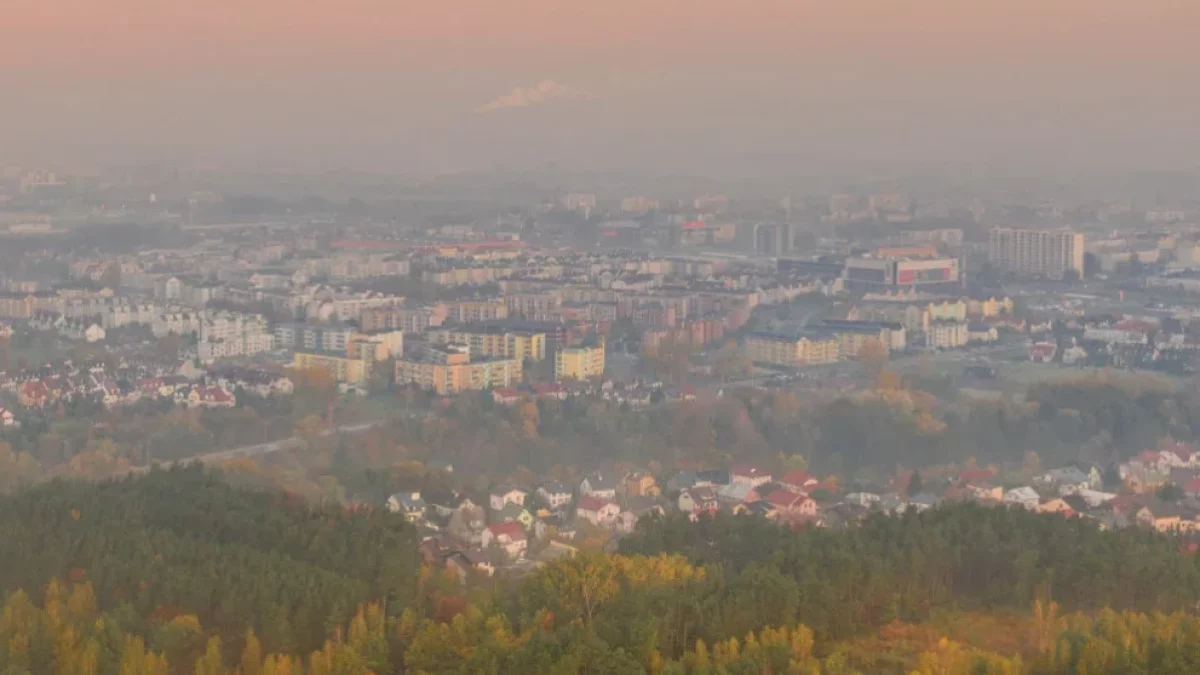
pixel 798 481
pixel 786 504
pixel 507 396
pixel 508 536
pixel 749 475
pixel 33 394
pixel 1181 455
pixel 597 511
pixel 1042 352
pixel 975 476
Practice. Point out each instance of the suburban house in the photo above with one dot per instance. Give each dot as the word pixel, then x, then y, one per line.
pixel 409 504
pixel 446 503
pixel 641 484
pixel 1071 479
pixel 984 493
pixel 737 493
pixel 513 513
pixel 786 504
pixel 1025 497
pixel 506 495
pixel 556 495
pixel 700 499
pixel 1166 518
pixel 798 481
pixel 749 475
pixel 1055 505
pixel 508 536
pixel 597 511
pixel 599 485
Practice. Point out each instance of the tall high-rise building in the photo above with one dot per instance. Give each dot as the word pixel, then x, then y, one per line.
pixel 1047 253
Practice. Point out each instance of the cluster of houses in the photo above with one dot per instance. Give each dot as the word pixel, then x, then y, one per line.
pixel 635 394
pixel 516 527
pixel 552 518
pixel 128 384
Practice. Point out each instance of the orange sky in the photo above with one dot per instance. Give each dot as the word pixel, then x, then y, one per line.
pixel 158 71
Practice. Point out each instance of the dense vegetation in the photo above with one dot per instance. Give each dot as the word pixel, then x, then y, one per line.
pixel 185 542
pixel 178 572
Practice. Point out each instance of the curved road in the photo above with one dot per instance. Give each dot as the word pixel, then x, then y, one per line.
pixel 256 450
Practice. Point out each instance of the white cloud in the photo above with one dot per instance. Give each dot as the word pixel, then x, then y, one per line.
pixel 545 91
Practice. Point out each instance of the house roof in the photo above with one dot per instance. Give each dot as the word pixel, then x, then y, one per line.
pixel 591 503
pixel 704 493
pixel 735 491
pixel 1021 494
pixel 798 478
pixel 600 481
pixel 749 471
pixel 556 488
pixel 511 530
pixel 783 498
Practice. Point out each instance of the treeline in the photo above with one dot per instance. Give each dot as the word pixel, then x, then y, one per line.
pixel 178 572
pixel 186 542
pixel 967 556
pixel 1095 418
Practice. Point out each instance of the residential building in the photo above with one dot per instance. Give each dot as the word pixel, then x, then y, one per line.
pixel 947 334
pixel 403 318
pixel 343 368
pixel 1032 252
pixel 777 349
pixel 510 537
pixel 579 363
pixel 474 311
pixel 449 369
pixel 597 511
pixel 749 475
pixel 501 497
pixel 599 485
pixel 493 340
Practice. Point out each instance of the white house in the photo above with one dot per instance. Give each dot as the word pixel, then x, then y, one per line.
pixel 597 511
pixel 749 475
pixel 599 485
pixel 94 333
pixel 556 495
pixel 410 504
pixel 1025 497
pixel 508 536
pixel 500 498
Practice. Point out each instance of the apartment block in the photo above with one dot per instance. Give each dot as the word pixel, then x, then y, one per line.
pixel 1039 253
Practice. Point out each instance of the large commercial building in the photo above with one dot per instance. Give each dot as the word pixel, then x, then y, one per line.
pixel 1041 253
pixel 449 369
pixel 889 275
pixel 579 363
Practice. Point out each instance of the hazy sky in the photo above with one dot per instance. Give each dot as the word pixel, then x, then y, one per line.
pixel 679 84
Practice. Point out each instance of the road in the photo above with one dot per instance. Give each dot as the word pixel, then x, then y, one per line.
pixel 256 450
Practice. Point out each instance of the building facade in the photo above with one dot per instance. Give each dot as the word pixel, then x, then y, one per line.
pixel 1042 253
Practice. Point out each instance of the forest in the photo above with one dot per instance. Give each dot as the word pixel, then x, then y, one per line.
pixel 1098 419
pixel 180 572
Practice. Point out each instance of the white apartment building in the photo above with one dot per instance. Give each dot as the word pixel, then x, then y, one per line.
pixel 1048 253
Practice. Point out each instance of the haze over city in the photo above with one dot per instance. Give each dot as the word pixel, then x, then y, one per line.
pixel 599 337
pixel 704 86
